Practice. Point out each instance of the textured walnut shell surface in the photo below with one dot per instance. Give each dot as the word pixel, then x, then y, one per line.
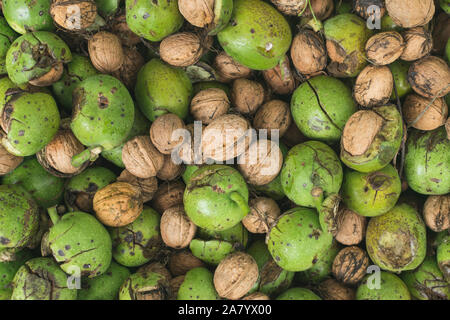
pixel 430 77
pixel 360 130
pixel 281 78
pixel 361 8
pixel 226 137
pixel 170 170
pixel 118 204
pixel 105 51
pixel 228 69
pixel 418 43
pixel 121 29
pixel 187 151
pixel 169 194
pixel 331 289
pixel 273 115
pixel 52 76
pixel 132 63
pixel 181 49
pixel 175 284
pixel 263 213
pixel 161 132
pixel 290 7
pixel 436 212
pixel 410 13
pixel 73 14
pixel 256 296
pixel 141 158
pixel 261 162
pixel 209 104
pixel 199 13
pixel 247 95
pixel 373 86
pixel 384 48
pixel 424 114
pixel 235 275
pixel 177 230
pixel 148 186
pixel 180 262
pixel 350 265
pixel 350 227
pixel 322 9
pixel 8 161
pixel 308 52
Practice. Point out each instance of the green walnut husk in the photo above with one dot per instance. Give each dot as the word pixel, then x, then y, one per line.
pixel 19 218
pixel 28 16
pixel 79 240
pixel 46 189
pixel 387 24
pixel 34 54
pixel 198 285
pixel 273 189
pixel 391 287
pixel 161 89
pixel 399 69
pixel 42 279
pixel 237 235
pixel 188 172
pixel 8 269
pixel 445 5
pixel 29 122
pixel 321 108
pixel 223 9
pixel 273 279
pixel 371 194
pixel 145 285
pixel 308 167
pixel 346 36
pixel 210 251
pixel 384 145
pixel 216 197
pixel 7 36
pixel 396 240
pixel 443 257
pixel 138 242
pixel 427 161
pixel 75 71
pixel 298 294
pixel 107 8
pixel 80 189
pixel 153 20
pixel 105 286
pixel 427 281
pixel 258 36
pixel 296 241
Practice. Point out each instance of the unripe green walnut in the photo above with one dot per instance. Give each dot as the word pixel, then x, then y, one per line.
pixel 28 16
pixel 7 36
pixel 198 285
pixel 391 287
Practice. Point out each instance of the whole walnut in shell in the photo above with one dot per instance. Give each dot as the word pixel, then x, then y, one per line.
pixel 162 131
pixel 170 170
pixel 290 7
pixel 73 14
pixel 148 186
pixel 247 95
pixel 169 194
pixel 362 8
pixel 350 265
pixel 410 13
pixel 121 29
pixel 308 52
pixel 118 204
pixel 105 51
pixel 384 48
pixel 181 49
pixel 373 86
pixel 209 104
pixel 199 13
pixel 132 63
pixel 322 9
pixel 226 137
pixel 424 114
pixel 8 161
pixel 418 43
pixel 350 227
pixel 52 76
pixel 331 289
pixel 177 230
pixel 261 162
pixel 273 115
pixel 430 77
pixel 182 261
pixel 228 69
pixel 235 275
pixel 256 296
pixel 190 150
pixel 263 213
pixel 436 212
pixel 280 78
pixel 141 158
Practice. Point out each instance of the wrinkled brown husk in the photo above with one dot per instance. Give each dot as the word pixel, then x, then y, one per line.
pixel 430 77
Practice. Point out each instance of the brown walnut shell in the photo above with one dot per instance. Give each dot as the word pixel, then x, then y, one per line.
pixel 148 186
pixel 430 77
pixel 209 104
pixel 350 265
pixel 181 49
pixel 263 213
pixel 290 7
pixel 322 9
pixel 293 136
pixel 418 43
pixel 256 296
pixel 361 7
pixel 436 212
pixel 73 14
pixel 190 149
pixel 8 161
pixel 331 289
pixel 118 204
pixel 280 78
pixel 169 194
pixel 180 262
pixel 350 227
pixel 416 116
pixel 141 158
pixel 247 96
pixel 228 70
pixel 373 86
pixel 384 48
pixel 235 275
pixel 105 51
pixel 50 77
pixel 199 13
pixel 410 13
pixel 132 63
pixel 161 132
pixel 177 230
pixel 170 170
pixel 273 115
pixel 175 284
pixel 308 52
pixel 121 29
